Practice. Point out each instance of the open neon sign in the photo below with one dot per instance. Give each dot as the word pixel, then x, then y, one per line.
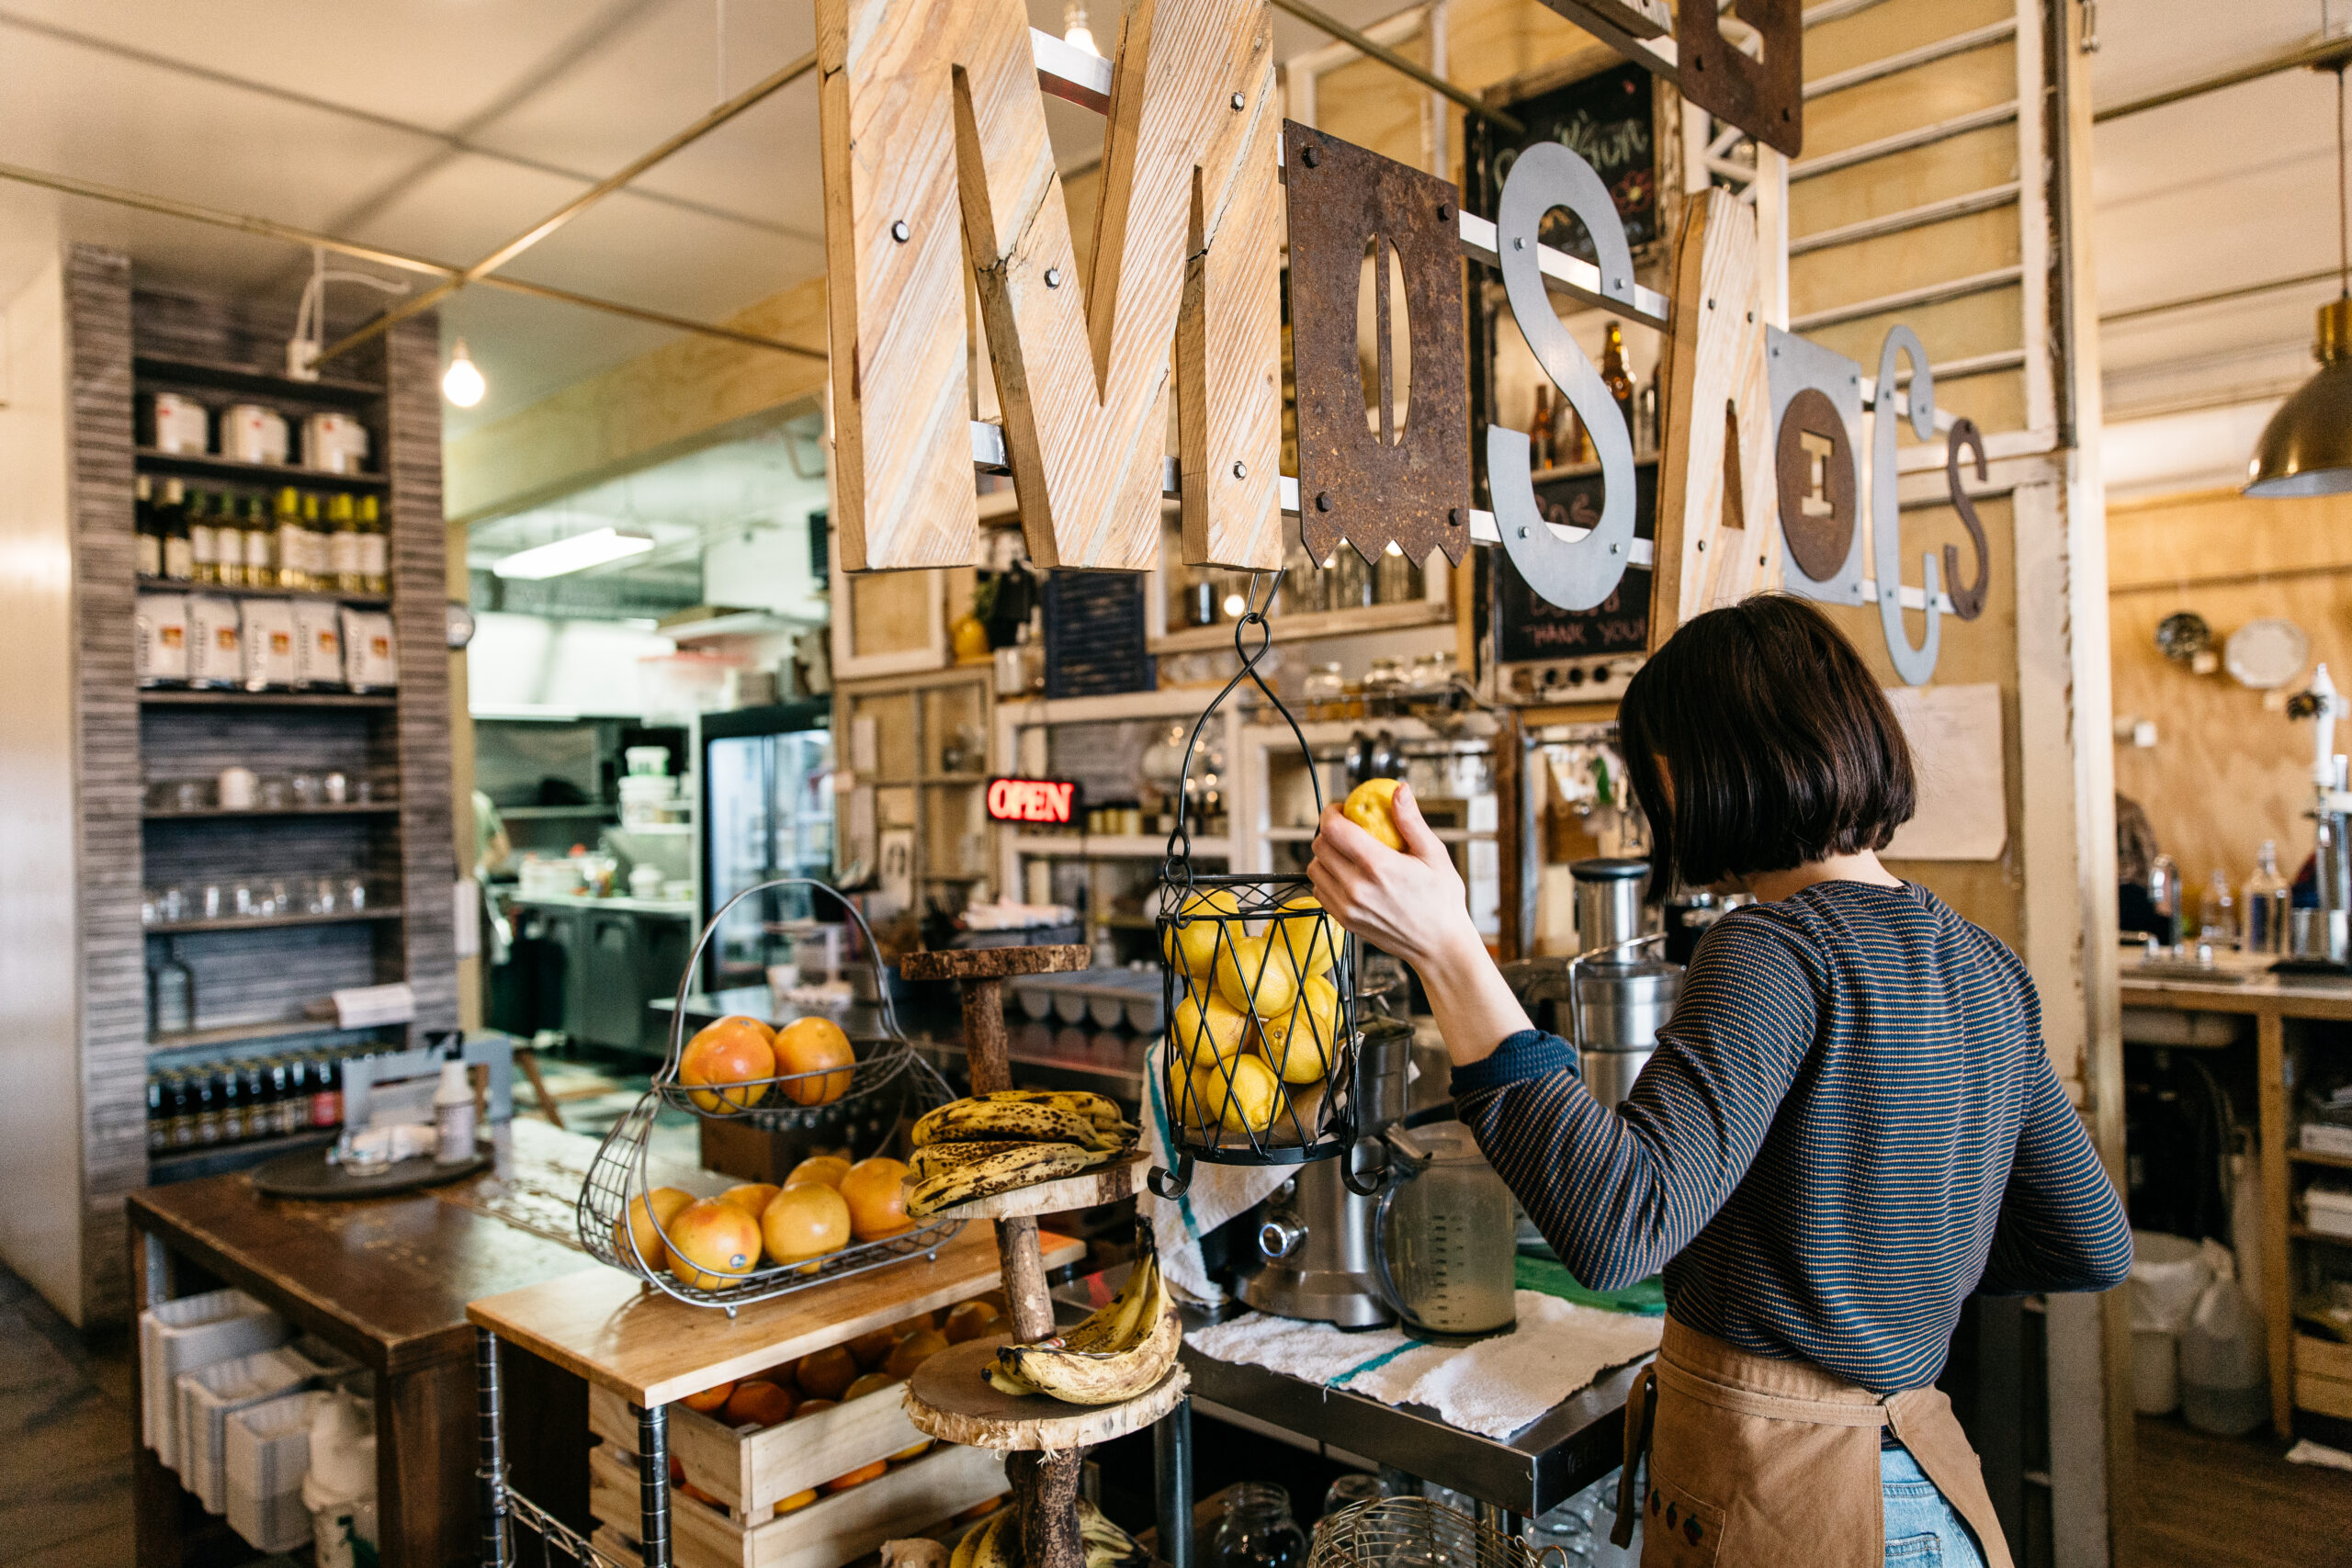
pixel 1032 800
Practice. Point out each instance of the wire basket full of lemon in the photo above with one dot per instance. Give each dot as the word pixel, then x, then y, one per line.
pixel 1259 987
pixel 833 1215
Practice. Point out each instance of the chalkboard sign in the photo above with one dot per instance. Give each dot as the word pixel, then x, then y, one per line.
pixel 1607 120
pixel 1530 630
pixel 1094 633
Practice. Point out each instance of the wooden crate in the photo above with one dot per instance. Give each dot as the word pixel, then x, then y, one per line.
pixel 908 1500
pixel 755 1468
pixel 2324 1376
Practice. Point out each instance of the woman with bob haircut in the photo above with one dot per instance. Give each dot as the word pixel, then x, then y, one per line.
pixel 1850 1125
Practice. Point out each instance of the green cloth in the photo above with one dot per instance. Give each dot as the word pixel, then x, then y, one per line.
pixel 1645 1297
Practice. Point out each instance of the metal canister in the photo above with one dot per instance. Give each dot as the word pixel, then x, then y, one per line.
pixel 1608 901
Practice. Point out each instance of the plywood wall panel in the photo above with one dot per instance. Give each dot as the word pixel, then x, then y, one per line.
pixel 1891 28
pixel 1910 258
pixel 1958 166
pixel 1989 323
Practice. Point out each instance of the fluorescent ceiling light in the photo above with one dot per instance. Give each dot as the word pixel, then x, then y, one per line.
pixel 577 553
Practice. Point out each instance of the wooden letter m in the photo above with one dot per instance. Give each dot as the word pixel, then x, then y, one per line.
pixel 933 105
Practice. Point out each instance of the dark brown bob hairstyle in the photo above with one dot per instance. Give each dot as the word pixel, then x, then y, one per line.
pixel 1779 744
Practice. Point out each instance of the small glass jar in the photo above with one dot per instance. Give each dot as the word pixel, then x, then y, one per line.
pixel 1383 689
pixel 1325 692
pixel 1303 584
pixel 1350 584
pixel 1257 1531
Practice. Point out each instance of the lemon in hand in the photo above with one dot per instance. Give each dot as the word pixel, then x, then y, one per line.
pixel 1371 805
pixel 1254 975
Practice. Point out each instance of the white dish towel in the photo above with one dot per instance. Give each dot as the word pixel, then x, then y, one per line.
pixel 1494 1387
pixel 1217 1193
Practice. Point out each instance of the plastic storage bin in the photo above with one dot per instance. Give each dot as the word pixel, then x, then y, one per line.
pixel 268 1453
pixel 194 1331
pixel 209 1395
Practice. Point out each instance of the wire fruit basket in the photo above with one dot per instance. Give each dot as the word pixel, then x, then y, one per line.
pixel 1392 1530
pixel 864 1101
pixel 1259 990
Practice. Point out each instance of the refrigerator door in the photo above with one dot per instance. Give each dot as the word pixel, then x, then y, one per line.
pixel 770 816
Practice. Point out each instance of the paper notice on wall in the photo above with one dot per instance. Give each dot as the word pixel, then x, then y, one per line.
pixel 1956 753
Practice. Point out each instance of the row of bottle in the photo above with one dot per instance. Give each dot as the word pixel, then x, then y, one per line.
pixel 1558 436
pixel 2252 919
pixel 212 1103
pixel 322 545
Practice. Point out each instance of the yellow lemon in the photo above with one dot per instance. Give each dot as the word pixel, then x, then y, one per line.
pixel 1298 1044
pixel 1254 975
pixel 1371 805
pixel 1252 1098
pixel 1206 1029
pixel 1310 939
pixel 1192 946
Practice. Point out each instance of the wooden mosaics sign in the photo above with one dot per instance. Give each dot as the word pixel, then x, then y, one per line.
pixel 937 168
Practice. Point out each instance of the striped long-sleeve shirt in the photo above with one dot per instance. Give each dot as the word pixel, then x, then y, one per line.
pixel 1850 1125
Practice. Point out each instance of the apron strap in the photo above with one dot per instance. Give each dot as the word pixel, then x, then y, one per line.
pixel 1639 1414
pixel 1923 1421
pixel 1771 1407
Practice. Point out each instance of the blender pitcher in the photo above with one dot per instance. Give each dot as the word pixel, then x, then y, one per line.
pixel 1442 1251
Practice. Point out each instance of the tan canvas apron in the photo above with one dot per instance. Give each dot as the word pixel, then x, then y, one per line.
pixel 1763 1463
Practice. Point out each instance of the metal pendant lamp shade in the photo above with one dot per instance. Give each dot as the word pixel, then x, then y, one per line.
pixel 2306 449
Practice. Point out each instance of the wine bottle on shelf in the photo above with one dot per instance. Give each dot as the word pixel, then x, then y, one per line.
pixel 316 572
pixel 343 543
pixel 259 571
pixel 1614 376
pixel 1540 428
pixel 375 550
pixel 149 544
pixel 179 561
pixel 203 540
pixel 289 549
pixel 229 540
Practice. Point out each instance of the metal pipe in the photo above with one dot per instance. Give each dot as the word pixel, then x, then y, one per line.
pixel 654 1485
pixel 489 1434
pixel 733 107
pixel 1396 62
pixel 2327 53
pixel 1172 1464
pixel 2221 295
pixel 271 229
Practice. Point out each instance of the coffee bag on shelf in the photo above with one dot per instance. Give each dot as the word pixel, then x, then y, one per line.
pixel 160 650
pixel 318 644
pixel 215 642
pixel 268 631
pixel 369 662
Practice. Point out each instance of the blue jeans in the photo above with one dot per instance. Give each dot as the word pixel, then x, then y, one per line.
pixel 1922 1530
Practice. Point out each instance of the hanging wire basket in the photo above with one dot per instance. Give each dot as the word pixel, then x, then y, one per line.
pixel 889 1083
pixel 1259 988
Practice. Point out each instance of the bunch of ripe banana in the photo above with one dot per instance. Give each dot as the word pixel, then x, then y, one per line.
pixel 996 1542
pixel 1121 1351
pixel 989 1144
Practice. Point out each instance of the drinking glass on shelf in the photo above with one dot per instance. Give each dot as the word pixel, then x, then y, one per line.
pixel 336 788
pixel 212 900
pixel 1356 1486
pixel 148 898
pixel 171 904
pixel 326 894
pixel 305 790
pixel 355 894
pixel 244 902
pixel 275 793
pixel 280 902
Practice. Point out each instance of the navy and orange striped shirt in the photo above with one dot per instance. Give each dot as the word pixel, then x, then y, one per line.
pixel 1849 1126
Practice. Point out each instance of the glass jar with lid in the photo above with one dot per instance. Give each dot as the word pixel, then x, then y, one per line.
pixel 1383 689
pixel 1325 692
pixel 1257 1530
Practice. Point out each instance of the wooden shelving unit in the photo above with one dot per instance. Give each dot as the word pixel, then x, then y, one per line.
pixel 254 980
pixel 357 601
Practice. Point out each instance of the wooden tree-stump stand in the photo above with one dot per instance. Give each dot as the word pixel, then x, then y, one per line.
pixel 1046 1439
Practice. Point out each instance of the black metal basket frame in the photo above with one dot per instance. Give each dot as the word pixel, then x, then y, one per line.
pixel 619 1177
pixel 1256 898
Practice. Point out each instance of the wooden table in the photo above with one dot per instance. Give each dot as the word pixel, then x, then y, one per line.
pixel 386 1282
pixel 653 1349
pixel 2277 1005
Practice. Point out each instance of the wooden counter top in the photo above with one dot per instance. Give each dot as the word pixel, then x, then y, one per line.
pixel 2289 996
pixel 651 1349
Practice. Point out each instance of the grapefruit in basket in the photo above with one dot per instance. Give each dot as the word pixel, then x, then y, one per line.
pixel 806 1220
pixel 735 1050
pixel 712 1245
pixel 826 1168
pixel 813 1045
pixel 649 1215
pixel 877 1201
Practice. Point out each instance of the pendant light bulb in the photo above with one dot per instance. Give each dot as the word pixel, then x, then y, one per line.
pixel 2306 449
pixel 462 383
pixel 1075 32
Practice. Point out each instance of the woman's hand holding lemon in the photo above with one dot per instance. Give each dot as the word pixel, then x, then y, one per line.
pixel 1409 901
